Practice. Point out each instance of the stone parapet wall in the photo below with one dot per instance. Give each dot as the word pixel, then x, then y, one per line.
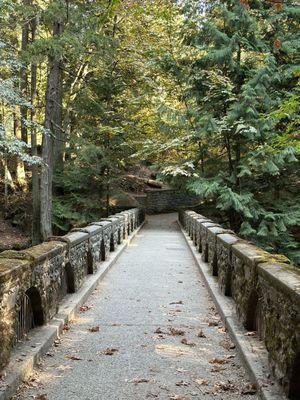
pixel 33 281
pixel 157 201
pixel 264 287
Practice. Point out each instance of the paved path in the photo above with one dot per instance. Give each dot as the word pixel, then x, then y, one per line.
pixel 159 334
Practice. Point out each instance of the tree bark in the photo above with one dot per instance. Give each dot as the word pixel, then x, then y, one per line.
pixel 53 127
pixel 36 232
pixel 24 76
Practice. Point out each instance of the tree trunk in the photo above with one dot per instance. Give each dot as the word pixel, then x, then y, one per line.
pixel 53 126
pixel 36 232
pixel 24 75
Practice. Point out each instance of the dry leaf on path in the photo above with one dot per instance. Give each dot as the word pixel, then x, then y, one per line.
pixel 252 333
pixel 40 397
pixel 227 344
pixel 109 352
pixel 136 381
pixel 217 368
pixel 176 332
pixel 94 329
pixel 201 381
pixel 184 341
pixel 223 387
pixel 66 328
pixel 152 396
pixel 250 388
pixel 230 356
pixel 182 383
pixel 218 361
pixel 201 334
pixel 74 358
pixel 84 308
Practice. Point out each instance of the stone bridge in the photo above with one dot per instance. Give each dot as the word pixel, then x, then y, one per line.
pixel 34 281
pixel 257 295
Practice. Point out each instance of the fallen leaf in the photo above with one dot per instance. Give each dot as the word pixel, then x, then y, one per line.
pixel 182 383
pixel 250 333
pixel 218 361
pixel 227 344
pixel 136 381
pixel 184 341
pixel 176 332
pixel 250 388
pixel 152 396
pixel 40 397
pixel 201 381
pixel 74 358
pixel 109 352
pixel 201 334
pixel 94 329
pixel 84 308
pixel 66 328
pixel 217 368
pixel 223 386
pixel 34 382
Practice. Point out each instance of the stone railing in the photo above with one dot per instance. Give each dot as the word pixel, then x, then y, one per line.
pixel 264 287
pixel 33 281
pixel 156 201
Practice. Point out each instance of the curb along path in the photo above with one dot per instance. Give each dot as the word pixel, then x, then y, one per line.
pixel 149 330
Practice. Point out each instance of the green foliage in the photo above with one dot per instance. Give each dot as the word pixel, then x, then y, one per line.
pixel 240 96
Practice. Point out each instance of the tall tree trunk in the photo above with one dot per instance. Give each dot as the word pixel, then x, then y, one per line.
pixel 24 75
pixel 53 126
pixel 36 232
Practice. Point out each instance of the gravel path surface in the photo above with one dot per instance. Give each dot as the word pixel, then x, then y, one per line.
pixel 149 331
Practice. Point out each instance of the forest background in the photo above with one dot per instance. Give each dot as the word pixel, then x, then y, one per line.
pixel 203 94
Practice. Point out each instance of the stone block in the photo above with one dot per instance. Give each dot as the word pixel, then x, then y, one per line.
pixel 107 235
pixel 245 292
pixel 94 245
pixel 212 233
pixel 279 287
pixel 224 244
pixel 203 239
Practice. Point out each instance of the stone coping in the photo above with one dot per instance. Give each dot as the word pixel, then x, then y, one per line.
pixel 92 230
pixel 9 267
pixel 227 239
pixel 36 253
pixel 284 277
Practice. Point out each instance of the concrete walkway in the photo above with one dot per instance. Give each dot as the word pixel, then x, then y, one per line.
pixel 149 331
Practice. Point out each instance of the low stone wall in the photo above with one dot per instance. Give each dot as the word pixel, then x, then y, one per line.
pixel 33 281
pixel 265 288
pixel 157 201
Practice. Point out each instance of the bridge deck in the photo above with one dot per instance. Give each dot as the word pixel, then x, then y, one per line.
pixel 153 292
